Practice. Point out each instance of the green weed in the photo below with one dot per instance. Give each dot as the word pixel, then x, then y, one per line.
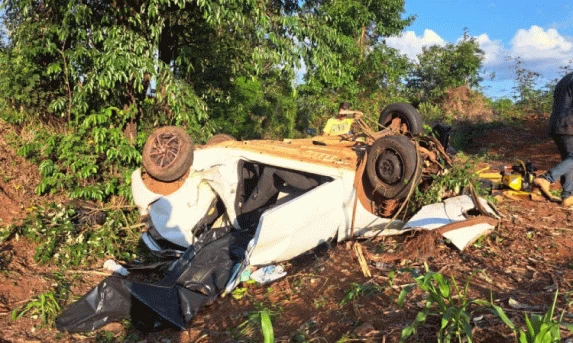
pixel 459 176
pixel 359 290
pixel 433 113
pixel 539 328
pixel 255 320
pixel 43 306
pixel 445 300
pixel 62 240
pixel 267 326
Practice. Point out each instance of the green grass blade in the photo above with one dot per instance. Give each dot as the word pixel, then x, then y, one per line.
pixel 267 327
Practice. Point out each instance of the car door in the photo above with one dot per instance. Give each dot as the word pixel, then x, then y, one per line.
pixel 298 225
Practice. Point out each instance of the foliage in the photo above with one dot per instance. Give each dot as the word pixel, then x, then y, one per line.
pixel 539 328
pixel 358 290
pixel 347 59
pixel 260 318
pixel 175 61
pixel 63 240
pixel 432 113
pixel 446 300
pixel 458 177
pixel 441 68
pixel 267 327
pixel 93 163
pixel 257 109
pixel 527 97
pixel 505 108
pixel 43 306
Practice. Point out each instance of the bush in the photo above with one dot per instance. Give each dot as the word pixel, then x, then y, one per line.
pixel 92 163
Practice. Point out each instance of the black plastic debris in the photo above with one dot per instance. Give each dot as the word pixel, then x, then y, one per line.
pixel 190 282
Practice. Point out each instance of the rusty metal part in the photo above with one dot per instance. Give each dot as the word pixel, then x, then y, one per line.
pixel 468 222
pixel 387 208
pixel 165 149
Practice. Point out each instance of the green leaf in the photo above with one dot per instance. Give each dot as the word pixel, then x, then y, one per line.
pixel 267 327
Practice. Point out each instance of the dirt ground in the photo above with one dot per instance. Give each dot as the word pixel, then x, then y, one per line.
pixel 522 263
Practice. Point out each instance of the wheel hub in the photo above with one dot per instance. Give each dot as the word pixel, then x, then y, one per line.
pixel 389 168
pixel 165 150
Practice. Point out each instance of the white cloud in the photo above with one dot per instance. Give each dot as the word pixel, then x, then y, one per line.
pixel 542 49
pixel 493 50
pixel 411 45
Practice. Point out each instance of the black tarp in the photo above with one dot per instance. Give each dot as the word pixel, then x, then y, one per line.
pixel 190 282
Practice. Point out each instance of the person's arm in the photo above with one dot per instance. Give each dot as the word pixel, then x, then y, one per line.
pixel 356 114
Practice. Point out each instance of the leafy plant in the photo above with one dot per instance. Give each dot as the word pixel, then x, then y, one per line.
pixel 441 68
pixel 260 318
pixel 459 176
pixel 44 306
pixel 267 327
pixel 359 290
pixel 64 241
pixel 445 300
pixel 93 163
pixel 539 328
pixel 432 113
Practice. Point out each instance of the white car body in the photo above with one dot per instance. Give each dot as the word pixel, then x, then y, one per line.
pixel 295 224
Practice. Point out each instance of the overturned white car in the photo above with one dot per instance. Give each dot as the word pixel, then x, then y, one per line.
pixel 230 204
pixel 292 194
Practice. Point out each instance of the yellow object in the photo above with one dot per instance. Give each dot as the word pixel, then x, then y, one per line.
pixel 490 176
pixel 512 181
pixel 335 127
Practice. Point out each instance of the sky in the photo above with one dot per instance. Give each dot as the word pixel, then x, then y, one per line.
pixel 539 32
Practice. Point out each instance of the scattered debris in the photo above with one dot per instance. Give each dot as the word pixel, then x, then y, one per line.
pixel 115 267
pixel 450 219
pixel 268 274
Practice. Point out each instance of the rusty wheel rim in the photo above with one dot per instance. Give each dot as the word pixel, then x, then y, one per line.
pixel 389 167
pixel 165 150
pixel 399 125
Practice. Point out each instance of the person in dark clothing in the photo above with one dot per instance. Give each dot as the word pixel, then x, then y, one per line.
pixel 561 130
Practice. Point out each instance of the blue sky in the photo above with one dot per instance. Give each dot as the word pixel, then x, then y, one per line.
pixel 539 32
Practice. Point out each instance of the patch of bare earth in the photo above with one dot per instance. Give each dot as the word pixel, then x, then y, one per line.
pixel 463 103
pixel 526 260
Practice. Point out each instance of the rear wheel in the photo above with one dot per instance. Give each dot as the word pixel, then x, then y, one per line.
pixel 392 166
pixel 220 138
pixel 403 116
pixel 168 153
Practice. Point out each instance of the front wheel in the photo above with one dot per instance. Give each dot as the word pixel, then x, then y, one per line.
pixel 393 166
pixel 168 153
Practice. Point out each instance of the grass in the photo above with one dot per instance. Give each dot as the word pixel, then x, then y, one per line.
pixel 360 290
pixel 539 328
pixel 43 306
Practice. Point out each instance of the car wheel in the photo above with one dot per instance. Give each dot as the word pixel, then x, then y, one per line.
pixel 220 138
pixel 168 153
pixel 409 120
pixel 392 166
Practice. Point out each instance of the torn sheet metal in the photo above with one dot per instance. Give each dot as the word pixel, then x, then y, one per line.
pixel 451 210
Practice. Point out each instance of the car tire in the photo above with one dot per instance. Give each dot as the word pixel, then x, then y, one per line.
pixel 168 153
pixel 220 138
pixel 392 165
pixel 406 113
